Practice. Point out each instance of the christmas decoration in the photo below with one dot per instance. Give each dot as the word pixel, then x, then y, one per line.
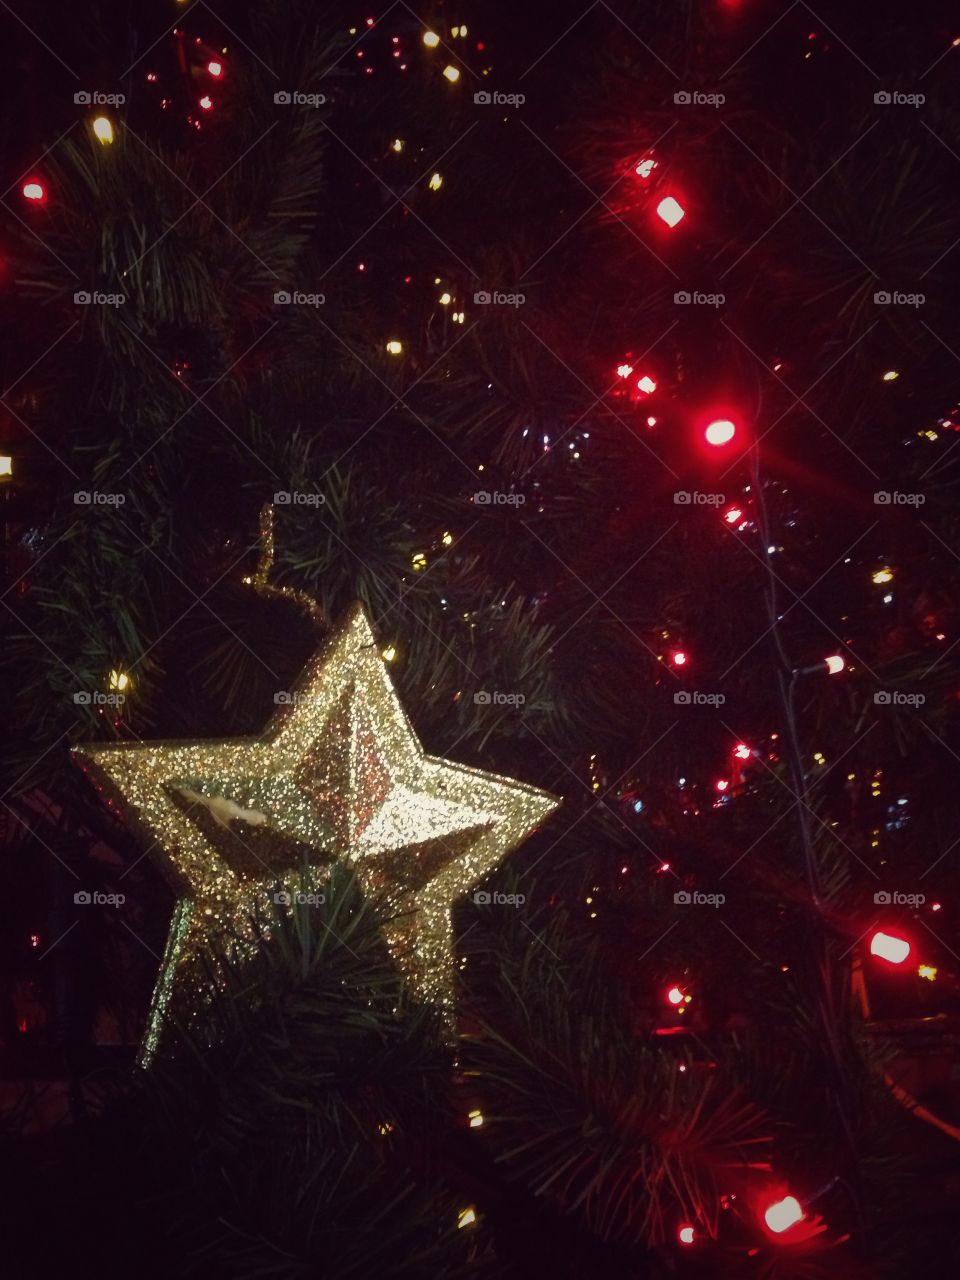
pixel 338 773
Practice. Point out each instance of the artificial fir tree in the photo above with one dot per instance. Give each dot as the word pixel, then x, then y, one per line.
pixel 460 296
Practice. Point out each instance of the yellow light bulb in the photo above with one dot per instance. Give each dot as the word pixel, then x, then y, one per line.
pixel 466 1217
pixel 103 129
pixel 445 299
pixel 459 317
pixel 883 575
pixel 118 680
pixel 6 467
pixel 389 653
pixel 891 375
pixel 928 971
pixel 431 39
pixel 397 144
pixel 452 74
pixel 435 183
pixel 476 1119
pixel 394 347
pixel 419 561
pixel 447 539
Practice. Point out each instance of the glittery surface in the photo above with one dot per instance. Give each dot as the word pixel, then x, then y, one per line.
pixel 338 776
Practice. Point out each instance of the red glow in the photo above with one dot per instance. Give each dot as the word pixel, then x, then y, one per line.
pixel 675 995
pixel 645 167
pixel 686 1234
pixel 679 659
pixel 34 190
pixel 207 103
pixel 887 947
pixel 670 210
pixel 720 432
pixel 624 370
pixel 651 422
pixel 646 384
pixel 742 751
pixel 216 69
pixel 733 515
pixel 783 1214
pixel 722 784
pixel 835 664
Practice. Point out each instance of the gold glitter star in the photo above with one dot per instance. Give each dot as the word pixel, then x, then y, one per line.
pixel 338 776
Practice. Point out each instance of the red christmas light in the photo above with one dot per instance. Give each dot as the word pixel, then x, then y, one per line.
pixel 686 1234
pixel 34 190
pixel 215 68
pixel 733 515
pixel 645 167
pixel 646 384
pixel 783 1214
pixel 670 210
pixel 722 784
pixel 835 664
pixel 675 995
pixel 719 432
pixel 206 102
pixel 742 751
pixel 888 947
pixel 679 658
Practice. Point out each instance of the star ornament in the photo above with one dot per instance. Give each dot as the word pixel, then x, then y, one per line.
pixel 337 776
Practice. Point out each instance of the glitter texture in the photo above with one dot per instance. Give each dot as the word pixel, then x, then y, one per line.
pixel 338 776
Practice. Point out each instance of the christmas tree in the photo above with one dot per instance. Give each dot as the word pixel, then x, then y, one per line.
pixel 480 639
